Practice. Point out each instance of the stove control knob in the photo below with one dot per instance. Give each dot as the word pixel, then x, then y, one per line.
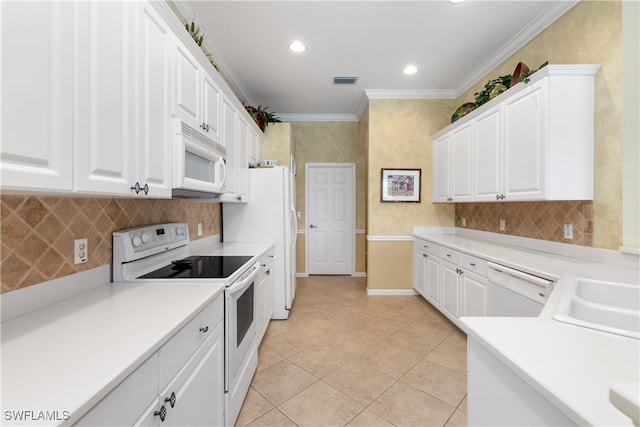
pixel 145 237
pixel 180 231
pixel 136 241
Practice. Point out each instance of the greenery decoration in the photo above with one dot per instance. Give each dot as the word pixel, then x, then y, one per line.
pixel 484 95
pixel 262 116
pixel 197 34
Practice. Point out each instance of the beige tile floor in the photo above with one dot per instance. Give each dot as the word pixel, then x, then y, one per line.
pixel 345 358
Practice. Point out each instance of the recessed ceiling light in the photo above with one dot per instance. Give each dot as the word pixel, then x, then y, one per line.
pixel 410 69
pixel 297 46
pixel 455 1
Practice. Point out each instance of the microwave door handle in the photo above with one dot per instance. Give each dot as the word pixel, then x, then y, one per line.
pixel 223 170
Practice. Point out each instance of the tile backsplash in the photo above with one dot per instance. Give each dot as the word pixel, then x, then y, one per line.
pixel 536 220
pixel 38 232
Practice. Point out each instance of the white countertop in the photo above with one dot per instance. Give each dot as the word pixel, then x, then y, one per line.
pixel 69 355
pixel 571 366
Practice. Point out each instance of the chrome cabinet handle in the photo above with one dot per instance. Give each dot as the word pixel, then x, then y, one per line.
pixel 162 413
pixel 204 331
pixel 171 400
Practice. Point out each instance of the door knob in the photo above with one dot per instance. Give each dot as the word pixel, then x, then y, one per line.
pixel 313 226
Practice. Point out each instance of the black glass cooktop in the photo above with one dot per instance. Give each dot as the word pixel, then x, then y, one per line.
pixel 199 267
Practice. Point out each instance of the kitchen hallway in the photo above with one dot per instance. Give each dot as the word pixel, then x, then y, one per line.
pixel 345 358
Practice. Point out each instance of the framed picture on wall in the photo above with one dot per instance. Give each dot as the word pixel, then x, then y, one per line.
pixel 400 185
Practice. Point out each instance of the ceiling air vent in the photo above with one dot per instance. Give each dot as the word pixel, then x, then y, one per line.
pixel 344 80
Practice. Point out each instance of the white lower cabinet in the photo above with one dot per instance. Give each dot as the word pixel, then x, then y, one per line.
pixel 474 294
pixel 454 282
pixel 450 289
pixel 264 296
pixel 181 384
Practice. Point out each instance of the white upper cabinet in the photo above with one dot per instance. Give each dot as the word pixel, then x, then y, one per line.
pixel 487 155
pixel 36 69
pixel 441 169
pixel 256 146
pixel 122 115
pixel 196 96
pixel 154 136
pixel 105 109
pixel 235 136
pixel 532 142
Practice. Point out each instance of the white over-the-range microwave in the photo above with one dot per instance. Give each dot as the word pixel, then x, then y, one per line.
pixel 199 169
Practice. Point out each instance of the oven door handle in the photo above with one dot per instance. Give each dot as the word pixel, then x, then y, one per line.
pixel 248 277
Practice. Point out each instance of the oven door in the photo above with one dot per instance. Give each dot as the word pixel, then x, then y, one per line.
pixel 240 326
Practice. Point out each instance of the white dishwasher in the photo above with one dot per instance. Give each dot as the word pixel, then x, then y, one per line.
pixel 514 293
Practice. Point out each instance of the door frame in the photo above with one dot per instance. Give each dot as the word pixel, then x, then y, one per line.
pixel 351 213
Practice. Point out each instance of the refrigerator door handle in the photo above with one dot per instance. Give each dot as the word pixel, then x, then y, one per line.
pixel 294 226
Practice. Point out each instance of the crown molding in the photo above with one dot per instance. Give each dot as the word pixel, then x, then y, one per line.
pixel 546 18
pixel 318 117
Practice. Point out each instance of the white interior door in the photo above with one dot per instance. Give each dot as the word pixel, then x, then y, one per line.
pixel 330 213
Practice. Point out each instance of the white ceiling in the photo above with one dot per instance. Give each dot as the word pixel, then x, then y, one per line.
pixel 453 46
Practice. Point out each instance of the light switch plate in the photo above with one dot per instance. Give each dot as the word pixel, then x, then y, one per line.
pixel 503 225
pixel 568 231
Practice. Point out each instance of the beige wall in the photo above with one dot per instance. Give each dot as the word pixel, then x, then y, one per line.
pixel 589 33
pixel 279 143
pixel 324 142
pixel 399 136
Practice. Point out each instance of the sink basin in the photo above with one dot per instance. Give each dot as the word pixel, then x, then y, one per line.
pixel 604 306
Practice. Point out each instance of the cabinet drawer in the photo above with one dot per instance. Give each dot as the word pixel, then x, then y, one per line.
pixel 125 403
pixel 471 263
pixel 450 255
pixel 428 247
pixel 175 353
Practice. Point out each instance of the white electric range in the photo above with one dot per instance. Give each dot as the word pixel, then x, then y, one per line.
pixel 160 253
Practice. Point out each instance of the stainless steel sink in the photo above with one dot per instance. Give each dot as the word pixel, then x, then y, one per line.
pixel 605 306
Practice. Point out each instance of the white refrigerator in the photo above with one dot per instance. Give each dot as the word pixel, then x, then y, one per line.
pixel 269 216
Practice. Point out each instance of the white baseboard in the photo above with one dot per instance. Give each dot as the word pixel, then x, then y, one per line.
pixel 391 292
pixel 359 274
pixel 302 275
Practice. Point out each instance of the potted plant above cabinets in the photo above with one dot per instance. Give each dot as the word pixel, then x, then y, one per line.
pixel 494 88
pixel 197 34
pixel 262 116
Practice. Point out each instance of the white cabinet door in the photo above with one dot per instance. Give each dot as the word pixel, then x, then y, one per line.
pixel 420 272
pixel 242 164
pixel 525 123
pixel 474 294
pixel 105 157
pixel 434 284
pixel 450 290
pixel 441 162
pixel 462 166
pixel 154 97
pixel 255 147
pixel 36 69
pixel 268 294
pixel 259 297
pixel 212 99
pixel 198 390
pixel 229 138
pixel 187 86
pixel 487 156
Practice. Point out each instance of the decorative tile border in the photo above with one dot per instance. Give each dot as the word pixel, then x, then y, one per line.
pixel 37 233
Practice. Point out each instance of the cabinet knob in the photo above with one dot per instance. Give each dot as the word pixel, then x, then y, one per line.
pixel 162 413
pixel 268 272
pixel 472 264
pixel 136 187
pixel 171 399
pixel 146 188
pixel 239 198
pixel 207 127
pixel 424 255
pixel 204 331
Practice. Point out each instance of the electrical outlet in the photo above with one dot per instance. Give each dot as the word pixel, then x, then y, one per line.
pixel 464 222
pixel 199 229
pixel 80 251
pixel 503 225
pixel 298 214
pixel 568 231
